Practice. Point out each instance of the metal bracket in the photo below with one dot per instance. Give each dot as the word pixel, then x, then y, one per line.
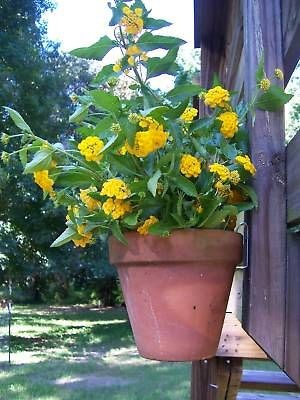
pixel 245 244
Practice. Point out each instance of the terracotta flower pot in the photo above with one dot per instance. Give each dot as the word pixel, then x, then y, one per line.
pixel 176 289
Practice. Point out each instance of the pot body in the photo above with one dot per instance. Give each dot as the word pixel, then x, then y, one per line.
pixel 176 289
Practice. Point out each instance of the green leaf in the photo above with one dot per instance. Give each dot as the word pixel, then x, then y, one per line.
pixel 97 50
pixel 103 76
pixel 154 24
pixel 148 42
pixel 74 179
pixel 260 72
pixel 79 114
pixel 132 219
pixel 18 120
pixel 41 160
pixel 23 156
pixel 116 231
pixel 218 217
pixel 185 185
pixel 165 65
pixel 65 237
pixel 183 92
pixel 273 99
pixel 175 112
pixel 161 228
pixel 250 192
pixel 152 182
pixel 156 112
pixel 123 165
pixel 103 125
pixel 106 101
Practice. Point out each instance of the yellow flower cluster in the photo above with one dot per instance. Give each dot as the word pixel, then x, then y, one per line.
pixel 190 166
pixel 198 207
pixel 146 142
pixel 132 21
pixel 134 51
pixel 144 228
pixel 43 180
pixel 222 190
pixel 116 208
pixel 90 148
pixel 115 187
pixel 278 74
pixel 221 170
pixel 246 163
pixel 234 177
pixel 117 67
pixel 229 123
pixel 216 97
pixel 265 84
pixel 189 114
pixel 90 203
pixel 86 237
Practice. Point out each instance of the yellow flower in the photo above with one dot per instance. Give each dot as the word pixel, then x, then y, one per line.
pixel 5 157
pixel 246 163
pixel 190 166
pixel 229 123
pixel 144 228
pixel 131 60
pixel 234 177
pixel 115 187
pixel 144 56
pixel 216 97
pixel 221 170
pixel 189 114
pixel 265 84
pixel 133 50
pixel 278 74
pixel 146 142
pixel 86 237
pixel 123 150
pixel 222 190
pixel 116 208
pixel 90 203
pixel 5 138
pixel 117 67
pixel 198 207
pixel 115 127
pixel 132 21
pixel 138 11
pixel 90 148
pixel 42 179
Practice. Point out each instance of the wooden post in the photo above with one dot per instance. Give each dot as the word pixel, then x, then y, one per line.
pixel 216 379
pixel 266 281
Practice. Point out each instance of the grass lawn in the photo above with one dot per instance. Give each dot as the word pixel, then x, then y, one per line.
pixel 83 354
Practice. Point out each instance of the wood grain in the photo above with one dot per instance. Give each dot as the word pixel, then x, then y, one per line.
pixel 291 34
pixel 268 380
pixel 293 182
pixel 292 341
pixel 265 315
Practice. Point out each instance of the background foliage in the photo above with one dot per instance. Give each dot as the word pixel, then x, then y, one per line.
pixel 37 80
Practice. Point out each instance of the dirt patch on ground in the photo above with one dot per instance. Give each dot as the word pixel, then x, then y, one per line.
pixel 92 381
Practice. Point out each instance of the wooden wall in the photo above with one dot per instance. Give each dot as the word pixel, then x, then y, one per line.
pixel 233 34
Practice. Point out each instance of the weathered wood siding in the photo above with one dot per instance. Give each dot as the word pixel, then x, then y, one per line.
pixel 292 336
pixel 267 273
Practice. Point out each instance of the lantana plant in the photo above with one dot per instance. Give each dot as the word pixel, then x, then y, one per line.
pixel 149 163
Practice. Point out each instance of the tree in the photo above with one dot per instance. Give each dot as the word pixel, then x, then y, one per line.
pixel 37 81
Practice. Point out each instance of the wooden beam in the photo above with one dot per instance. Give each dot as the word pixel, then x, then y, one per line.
pixel 291 34
pixel 293 183
pixel 265 315
pixel 292 326
pixel 268 380
pixel 216 379
pixel 260 396
pixel 204 380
